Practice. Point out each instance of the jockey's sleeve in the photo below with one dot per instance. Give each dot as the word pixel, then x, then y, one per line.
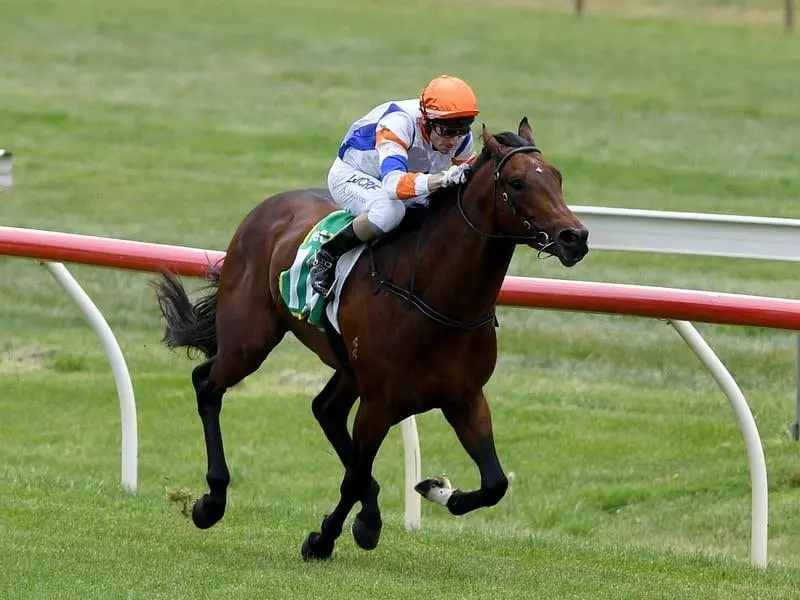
pixel 465 153
pixel 394 135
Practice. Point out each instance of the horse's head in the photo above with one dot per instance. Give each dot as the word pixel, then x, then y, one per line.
pixel 526 201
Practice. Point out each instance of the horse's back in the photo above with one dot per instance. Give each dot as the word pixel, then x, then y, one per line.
pixel 280 220
pixel 266 241
pixel 311 203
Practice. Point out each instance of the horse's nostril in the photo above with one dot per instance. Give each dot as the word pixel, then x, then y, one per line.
pixel 573 236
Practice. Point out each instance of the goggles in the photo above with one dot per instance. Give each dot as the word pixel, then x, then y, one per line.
pixel 451 129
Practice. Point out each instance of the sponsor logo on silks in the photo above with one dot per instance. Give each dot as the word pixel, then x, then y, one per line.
pixel 298 295
pixel 366 183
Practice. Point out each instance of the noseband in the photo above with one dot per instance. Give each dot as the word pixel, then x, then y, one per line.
pixel 540 238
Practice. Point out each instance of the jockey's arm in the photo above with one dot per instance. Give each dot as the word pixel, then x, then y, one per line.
pixel 398 182
pixel 393 138
pixel 464 155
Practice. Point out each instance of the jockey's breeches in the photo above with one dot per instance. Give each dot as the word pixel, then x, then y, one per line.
pixel 359 193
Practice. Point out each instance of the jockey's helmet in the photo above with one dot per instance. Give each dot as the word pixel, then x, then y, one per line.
pixel 449 104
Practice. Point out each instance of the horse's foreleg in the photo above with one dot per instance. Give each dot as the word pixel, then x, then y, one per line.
pixel 331 408
pixel 472 423
pixel 369 430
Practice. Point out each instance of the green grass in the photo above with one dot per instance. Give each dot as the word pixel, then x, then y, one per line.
pixel 767 13
pixel 167 121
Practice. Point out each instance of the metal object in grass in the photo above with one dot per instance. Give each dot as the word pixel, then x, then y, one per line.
pixel 5 170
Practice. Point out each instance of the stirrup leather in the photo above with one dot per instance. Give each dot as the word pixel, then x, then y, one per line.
pixel 323 259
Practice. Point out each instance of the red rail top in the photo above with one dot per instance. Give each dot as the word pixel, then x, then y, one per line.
pixel 643 301
pixel 106 252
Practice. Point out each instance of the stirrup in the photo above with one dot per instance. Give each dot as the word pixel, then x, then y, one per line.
pixel 323 273
pixel 322 261
pixel 323 288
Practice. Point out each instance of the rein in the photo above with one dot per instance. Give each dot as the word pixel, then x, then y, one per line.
pixel 409 296
pixel 540 238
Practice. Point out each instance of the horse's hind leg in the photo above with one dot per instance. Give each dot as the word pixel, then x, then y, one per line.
pixel 245 336
pixel 472 423
pixel 369 430
pixel 209 509
pixel 331 408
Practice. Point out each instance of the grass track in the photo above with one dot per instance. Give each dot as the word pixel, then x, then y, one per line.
pixel 167 121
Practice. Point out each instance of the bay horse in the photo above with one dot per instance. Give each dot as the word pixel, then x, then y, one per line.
pixel 416 317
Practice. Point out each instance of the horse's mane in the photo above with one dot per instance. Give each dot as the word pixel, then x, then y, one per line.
pixel 441 197
pixel 511 140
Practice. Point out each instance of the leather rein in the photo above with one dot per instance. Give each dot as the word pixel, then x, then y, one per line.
pixel 539 238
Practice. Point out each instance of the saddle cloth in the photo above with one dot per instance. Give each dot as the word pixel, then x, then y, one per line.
pixel 298 295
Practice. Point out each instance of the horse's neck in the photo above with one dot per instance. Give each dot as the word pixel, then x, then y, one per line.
pixel 463 270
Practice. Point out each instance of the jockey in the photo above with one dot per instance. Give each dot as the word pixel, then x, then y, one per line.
pixel 398 152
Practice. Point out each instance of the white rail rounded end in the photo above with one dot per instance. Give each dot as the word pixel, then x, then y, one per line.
pixel 122 378
pixel 752 440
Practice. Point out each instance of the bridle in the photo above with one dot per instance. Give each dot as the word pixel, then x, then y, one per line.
pixel 540 238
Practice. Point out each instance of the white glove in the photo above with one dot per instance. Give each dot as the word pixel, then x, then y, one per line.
pixel 455 175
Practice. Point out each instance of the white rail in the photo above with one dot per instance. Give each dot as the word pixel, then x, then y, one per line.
pixel 704 234
pixel 413 475
pixel 700 234
pixel 122 378
pixel 752 441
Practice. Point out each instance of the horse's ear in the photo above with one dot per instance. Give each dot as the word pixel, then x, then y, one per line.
pixel 489 141
pixel 526 131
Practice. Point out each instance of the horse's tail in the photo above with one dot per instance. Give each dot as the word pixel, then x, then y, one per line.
pixel 188 325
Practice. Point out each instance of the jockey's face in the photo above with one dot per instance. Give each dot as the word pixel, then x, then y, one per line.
pixel 442 144
pixel 446 135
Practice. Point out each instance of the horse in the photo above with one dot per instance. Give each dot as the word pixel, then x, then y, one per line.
pixel 403 350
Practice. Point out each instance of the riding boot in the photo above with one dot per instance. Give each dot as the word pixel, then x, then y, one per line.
pixel 323 269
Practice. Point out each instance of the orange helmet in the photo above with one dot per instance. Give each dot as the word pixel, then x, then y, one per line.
pixel 448 97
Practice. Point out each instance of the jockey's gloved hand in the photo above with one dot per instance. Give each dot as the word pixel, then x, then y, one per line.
pixel 455 175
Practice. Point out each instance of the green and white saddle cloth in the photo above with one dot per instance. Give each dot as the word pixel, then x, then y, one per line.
pixel 296 290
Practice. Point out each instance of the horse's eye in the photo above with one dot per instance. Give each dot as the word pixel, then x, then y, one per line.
pixel 516 184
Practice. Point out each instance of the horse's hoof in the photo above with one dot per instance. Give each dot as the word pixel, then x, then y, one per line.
pixel 365 536
pixel 436 489
pixel 313 550
pixel 207 512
